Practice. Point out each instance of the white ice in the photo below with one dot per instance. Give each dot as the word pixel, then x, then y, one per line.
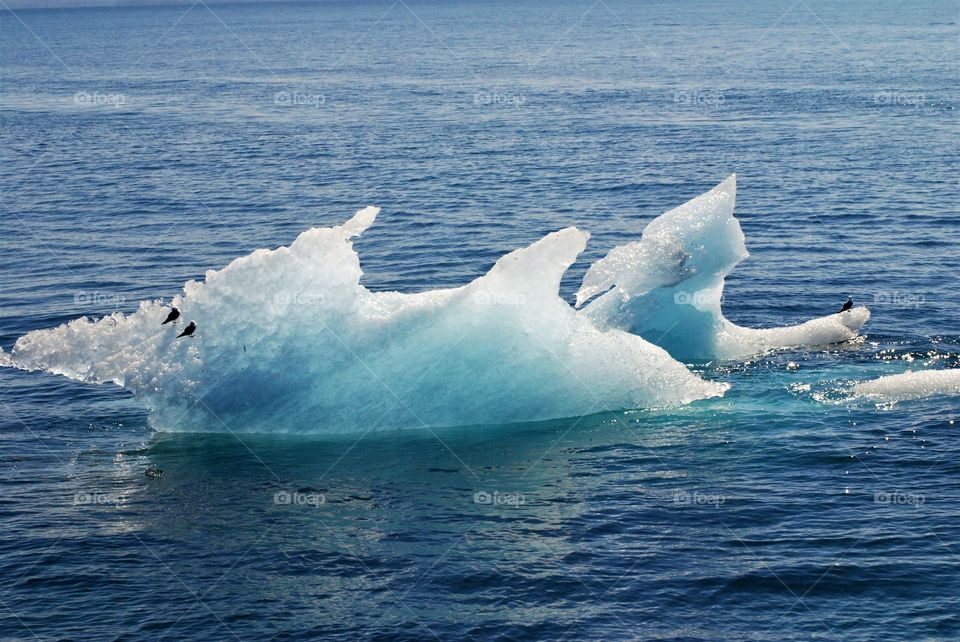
pixel 667 287
pixel 289 340
pixel 909 385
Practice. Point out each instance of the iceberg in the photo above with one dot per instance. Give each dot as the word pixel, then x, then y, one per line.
pixel 909 385
pixel 288 340
pixel 667 287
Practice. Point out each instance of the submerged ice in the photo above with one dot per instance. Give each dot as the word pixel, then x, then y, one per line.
pixel 667 287
pixel 289 340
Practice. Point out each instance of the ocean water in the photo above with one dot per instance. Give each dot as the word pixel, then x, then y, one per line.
pixel 142 146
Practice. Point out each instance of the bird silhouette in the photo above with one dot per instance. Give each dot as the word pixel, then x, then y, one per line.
pixel 173 316
pixel 847 305
pixel 189 330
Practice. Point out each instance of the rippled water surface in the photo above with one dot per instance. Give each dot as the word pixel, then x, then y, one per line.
pixel 140 147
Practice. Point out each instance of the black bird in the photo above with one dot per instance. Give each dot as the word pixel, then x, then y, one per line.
pixel 189 330
pixel 173 316
pixel 847 305
pixel 153 472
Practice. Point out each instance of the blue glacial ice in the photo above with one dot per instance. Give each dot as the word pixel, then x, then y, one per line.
pixel 289 340
pixel 667 287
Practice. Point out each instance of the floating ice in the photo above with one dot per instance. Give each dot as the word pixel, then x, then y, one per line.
pixel 288 340
pixel 909 385
pixel 667 287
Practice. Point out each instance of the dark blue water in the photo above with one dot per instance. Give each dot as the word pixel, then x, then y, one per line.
pixel 141 146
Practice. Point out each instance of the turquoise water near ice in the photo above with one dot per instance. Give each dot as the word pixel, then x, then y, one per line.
pixel 142 146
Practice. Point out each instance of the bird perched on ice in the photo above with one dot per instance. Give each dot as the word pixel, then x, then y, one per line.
pixel 189 330
pixel 173 316
pixel 847 305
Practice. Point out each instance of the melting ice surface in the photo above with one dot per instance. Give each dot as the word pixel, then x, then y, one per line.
pixel 290 341
pixel 909 385
pixel 667 287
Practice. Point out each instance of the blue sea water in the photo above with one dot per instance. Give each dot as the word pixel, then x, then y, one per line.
pixel 141 146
